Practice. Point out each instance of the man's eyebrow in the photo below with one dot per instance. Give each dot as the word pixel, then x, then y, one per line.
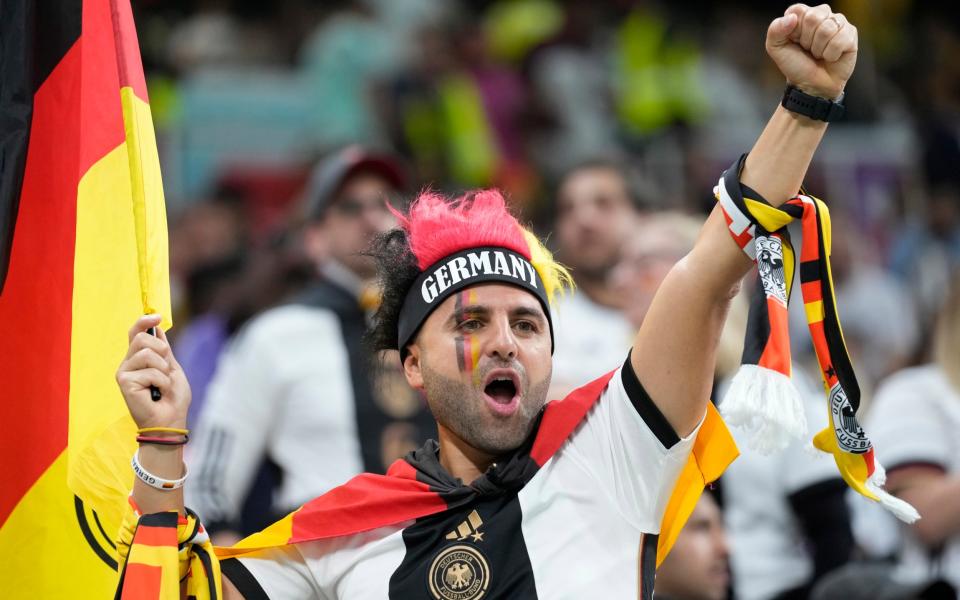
pixel 472 310
pixel 527 311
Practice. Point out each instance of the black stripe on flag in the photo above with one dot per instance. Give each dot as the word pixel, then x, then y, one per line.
pixel 34 36
pixel 758 326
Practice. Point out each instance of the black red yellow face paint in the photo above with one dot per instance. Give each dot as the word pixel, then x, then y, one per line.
pixel 467 349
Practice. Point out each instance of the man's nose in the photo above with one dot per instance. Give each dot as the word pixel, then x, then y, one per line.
pixel 720 542
pixel 503 342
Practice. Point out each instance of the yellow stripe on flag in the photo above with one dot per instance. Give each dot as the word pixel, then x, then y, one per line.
pixel 150 218
pixel 108 296
pixel 277 534
pixel 46 518
pixel 106 300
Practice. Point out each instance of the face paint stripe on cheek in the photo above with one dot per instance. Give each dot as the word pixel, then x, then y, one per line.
pixel 474 348
pixel 461 363
pixel 459 341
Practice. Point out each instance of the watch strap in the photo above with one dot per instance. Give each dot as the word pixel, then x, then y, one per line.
pixel 814 107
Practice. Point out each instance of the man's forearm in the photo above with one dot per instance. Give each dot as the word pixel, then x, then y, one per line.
pixel 935 497
pixel 778 162
pixel 775 168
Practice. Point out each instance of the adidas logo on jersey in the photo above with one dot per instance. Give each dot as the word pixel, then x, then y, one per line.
pixel 468 528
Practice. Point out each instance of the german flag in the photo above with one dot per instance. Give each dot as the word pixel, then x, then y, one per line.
pixel 83 252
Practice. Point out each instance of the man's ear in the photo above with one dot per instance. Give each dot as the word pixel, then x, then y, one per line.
pixel 412 367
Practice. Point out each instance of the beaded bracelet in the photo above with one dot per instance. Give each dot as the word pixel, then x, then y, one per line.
pixel 163 441
pixel 175 430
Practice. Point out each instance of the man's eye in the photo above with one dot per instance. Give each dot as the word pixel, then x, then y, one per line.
pixel 525 326
pixel 471 325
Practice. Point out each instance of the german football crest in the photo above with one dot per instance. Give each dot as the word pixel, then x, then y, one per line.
pixel 459 573
pixel 850 436
pixel 770 267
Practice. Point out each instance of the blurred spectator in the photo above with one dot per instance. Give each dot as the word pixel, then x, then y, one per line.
pixel 206 232
pixel 569 81
pixel 596 211
pixel 732 79
pixel 915 421
pixel 657 82
pixel 218 34
pixel 213 291
pixel 297 385
pixel 928 246
pixel 207 259
pixel 457 113
pixel 697 567
pixel 866 581
pixel 409 105
pixel 880 323
pixel 660 241
pixel 210 37
pixel 341 59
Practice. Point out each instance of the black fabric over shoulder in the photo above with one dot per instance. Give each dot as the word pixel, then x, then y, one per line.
pixel 648 565
pixel 242 579
pixel 645 407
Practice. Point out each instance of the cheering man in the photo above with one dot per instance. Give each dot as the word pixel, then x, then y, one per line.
pixel 519 498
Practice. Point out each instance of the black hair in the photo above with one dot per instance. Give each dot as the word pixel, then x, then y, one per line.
pixel 397 269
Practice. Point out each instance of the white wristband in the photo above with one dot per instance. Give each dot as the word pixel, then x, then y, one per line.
pixel 152 480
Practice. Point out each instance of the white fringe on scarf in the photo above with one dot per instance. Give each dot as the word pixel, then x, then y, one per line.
pixel 901 509
pixel 766 404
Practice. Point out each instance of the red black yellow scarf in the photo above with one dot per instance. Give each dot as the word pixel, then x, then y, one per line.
pixel 761 396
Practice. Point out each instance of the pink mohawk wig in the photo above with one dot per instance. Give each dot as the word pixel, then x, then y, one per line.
pixel 437 227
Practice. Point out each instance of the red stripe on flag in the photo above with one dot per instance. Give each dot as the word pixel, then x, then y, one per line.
pixel 366 502
pixel 141 582
pixel 36 305
pixel 155 536
pixel 101 118
pixel 127 48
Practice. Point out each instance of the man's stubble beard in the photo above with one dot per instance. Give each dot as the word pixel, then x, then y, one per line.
pixel 461 408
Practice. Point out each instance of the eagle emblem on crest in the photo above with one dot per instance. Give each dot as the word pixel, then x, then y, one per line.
pixel 458 576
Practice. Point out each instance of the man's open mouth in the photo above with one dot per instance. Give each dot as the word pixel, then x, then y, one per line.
pixel 502 387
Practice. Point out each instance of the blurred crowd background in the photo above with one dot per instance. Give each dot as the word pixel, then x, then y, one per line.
pixel 248 97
